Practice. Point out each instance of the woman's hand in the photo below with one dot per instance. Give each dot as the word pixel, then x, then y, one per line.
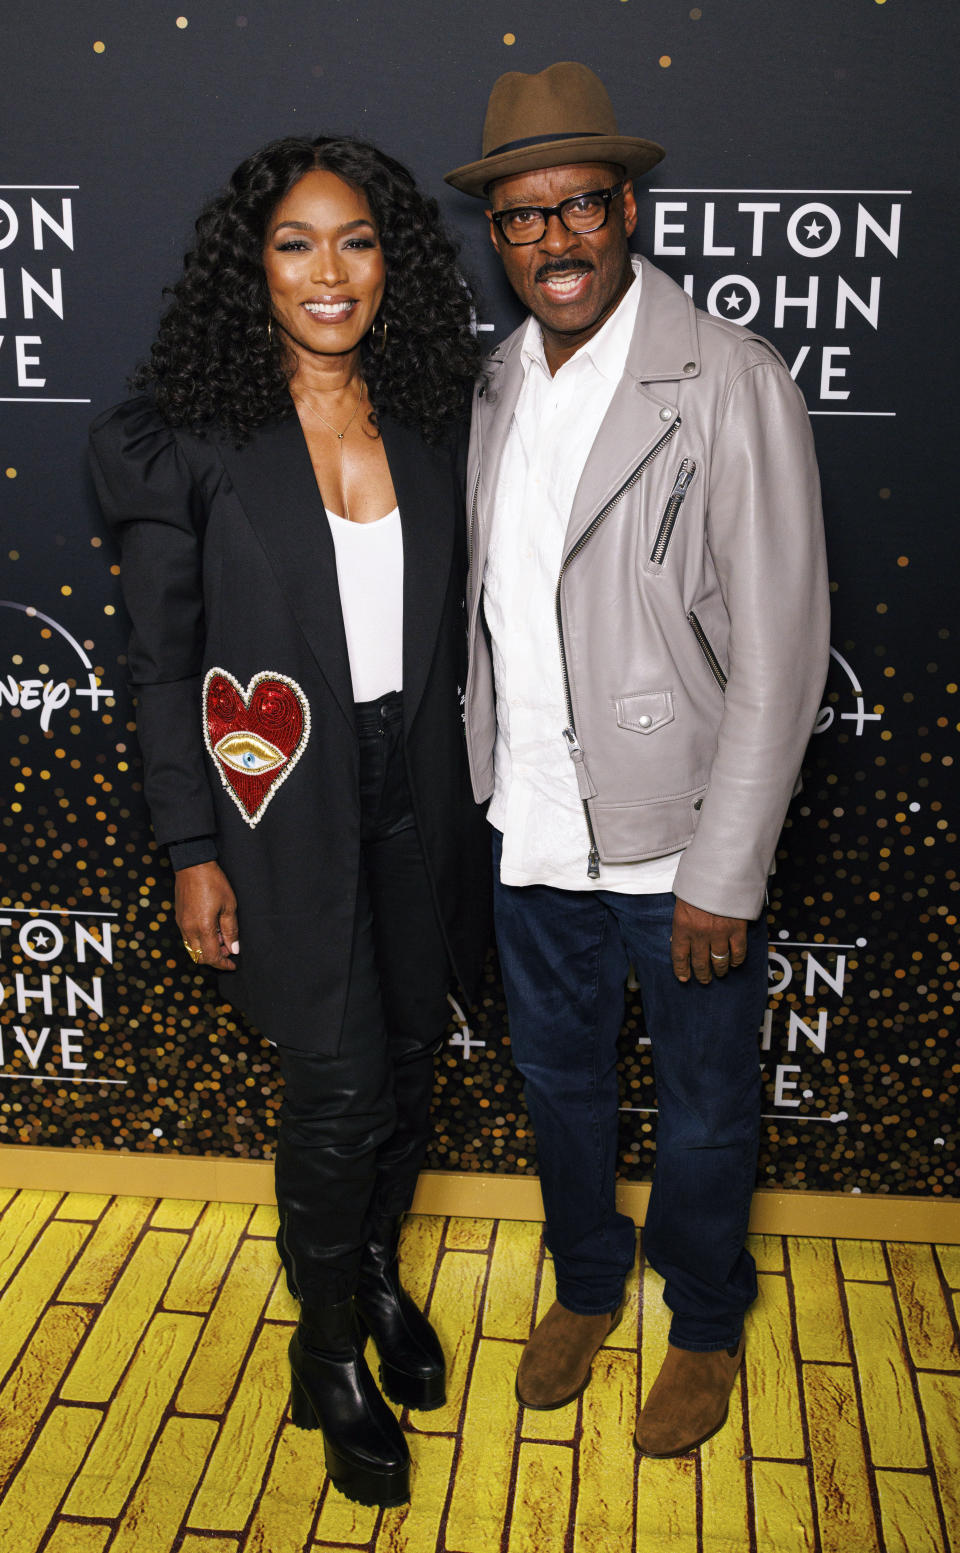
pixel 206 909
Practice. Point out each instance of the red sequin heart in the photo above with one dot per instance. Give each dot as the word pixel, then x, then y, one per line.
pixel 255 736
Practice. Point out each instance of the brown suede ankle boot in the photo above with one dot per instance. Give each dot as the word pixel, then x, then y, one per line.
pixel 555 1364
pixel 688 1401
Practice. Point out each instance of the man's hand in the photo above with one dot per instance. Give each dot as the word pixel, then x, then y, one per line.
pixel 206 909
pixel 704 944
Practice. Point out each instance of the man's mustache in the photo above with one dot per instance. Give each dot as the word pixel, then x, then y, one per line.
pixel 562 267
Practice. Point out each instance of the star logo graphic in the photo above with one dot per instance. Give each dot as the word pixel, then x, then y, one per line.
pixel 733 301
pixel 813 230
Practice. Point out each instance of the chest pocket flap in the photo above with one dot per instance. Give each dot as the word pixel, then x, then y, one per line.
pixel 645 711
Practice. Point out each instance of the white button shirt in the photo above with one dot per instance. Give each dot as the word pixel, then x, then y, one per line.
pixel 536 803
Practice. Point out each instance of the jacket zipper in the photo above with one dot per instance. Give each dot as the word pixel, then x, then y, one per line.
pixel 713 662
pixel 685 474
pixel 473 514
pixel 569 733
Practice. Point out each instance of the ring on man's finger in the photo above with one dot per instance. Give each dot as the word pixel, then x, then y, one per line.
pixel 718 957
pixel 195 954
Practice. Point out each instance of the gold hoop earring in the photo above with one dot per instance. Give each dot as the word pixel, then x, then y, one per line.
pixel 269 329
pixel 381 340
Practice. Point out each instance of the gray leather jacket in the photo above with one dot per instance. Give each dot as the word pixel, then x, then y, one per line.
pixel 692 601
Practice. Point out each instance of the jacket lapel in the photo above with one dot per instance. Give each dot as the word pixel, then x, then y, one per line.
pixel 493 414
pixel 665 349
pixel 274 480
pixel 427 498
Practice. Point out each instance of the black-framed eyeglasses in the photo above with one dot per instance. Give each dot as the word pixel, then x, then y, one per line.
pixel 580 213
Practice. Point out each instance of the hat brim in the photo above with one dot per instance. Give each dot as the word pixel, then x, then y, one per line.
pixel 635 156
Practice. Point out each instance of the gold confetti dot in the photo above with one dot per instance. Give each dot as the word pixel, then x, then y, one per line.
pixel 11 474
pixel 108 609
pixel 66 590
pixel 99 48
pixel 665 61
pixel 14 555
pixel 903 560
pixel 696 14
pixel 509 38
pixel 884 493
pixel 182 22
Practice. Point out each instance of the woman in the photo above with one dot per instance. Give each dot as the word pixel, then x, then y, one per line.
pixel 288 498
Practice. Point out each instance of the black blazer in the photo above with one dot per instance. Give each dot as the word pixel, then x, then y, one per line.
pixel 238 660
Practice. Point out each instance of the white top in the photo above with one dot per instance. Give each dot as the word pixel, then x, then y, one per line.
pixel 370 575
pixel 535 801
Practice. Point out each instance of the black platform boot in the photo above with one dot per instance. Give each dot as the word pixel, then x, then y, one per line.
pixel 413 1371
pixel 332 1389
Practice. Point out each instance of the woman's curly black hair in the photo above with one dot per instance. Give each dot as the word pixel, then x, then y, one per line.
pixel 216 362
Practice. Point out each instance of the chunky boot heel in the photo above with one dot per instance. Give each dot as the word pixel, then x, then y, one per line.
pixel 332 1389
pixel 413 1371
pixel 302 1415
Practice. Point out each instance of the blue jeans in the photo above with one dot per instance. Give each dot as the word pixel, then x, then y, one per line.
pixel 564 956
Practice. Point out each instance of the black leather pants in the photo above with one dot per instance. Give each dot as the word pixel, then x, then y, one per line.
pixel 354 1126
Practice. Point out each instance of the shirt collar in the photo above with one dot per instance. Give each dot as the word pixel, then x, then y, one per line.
pixel 609 347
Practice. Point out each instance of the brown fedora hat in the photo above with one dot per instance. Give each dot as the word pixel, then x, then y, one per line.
pixel 561 115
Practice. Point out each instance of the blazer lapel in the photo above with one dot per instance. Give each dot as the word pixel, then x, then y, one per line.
pixel 274 480
pixel 427 497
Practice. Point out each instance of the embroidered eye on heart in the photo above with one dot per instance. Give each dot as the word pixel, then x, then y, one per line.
pixel 255 736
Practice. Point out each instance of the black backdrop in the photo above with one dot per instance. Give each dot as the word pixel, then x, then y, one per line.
pixel 806 189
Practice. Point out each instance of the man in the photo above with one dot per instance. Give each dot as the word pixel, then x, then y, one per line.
pixel 648 623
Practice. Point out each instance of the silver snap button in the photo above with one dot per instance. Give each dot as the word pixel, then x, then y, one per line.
pixel 666 415
pixel 645 720
pixel 690 366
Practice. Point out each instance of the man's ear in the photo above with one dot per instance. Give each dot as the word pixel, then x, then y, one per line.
pixel 493 230
pixel 629 208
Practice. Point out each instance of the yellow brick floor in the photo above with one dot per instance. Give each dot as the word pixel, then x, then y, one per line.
pixel 143 1399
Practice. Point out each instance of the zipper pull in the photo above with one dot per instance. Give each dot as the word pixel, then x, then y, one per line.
pixel 593 864
pixel 585 787
pixel 685 474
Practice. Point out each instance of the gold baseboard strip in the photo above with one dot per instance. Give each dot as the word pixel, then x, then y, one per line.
pixel 474 1195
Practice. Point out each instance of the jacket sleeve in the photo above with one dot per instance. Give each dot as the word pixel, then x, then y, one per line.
pixel 765 534
pixel 151 503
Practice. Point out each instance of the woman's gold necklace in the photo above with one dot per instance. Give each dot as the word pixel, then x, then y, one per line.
pixel 339 436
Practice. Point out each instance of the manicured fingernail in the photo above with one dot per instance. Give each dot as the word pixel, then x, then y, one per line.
pixel 234 948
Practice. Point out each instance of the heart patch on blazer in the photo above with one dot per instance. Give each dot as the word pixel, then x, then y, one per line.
pixel 255 736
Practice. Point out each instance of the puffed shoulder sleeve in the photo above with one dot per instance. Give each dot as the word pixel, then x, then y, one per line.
pixel 153 504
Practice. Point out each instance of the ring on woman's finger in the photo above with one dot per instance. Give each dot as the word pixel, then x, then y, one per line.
pixel 195 954
pixel 718 957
